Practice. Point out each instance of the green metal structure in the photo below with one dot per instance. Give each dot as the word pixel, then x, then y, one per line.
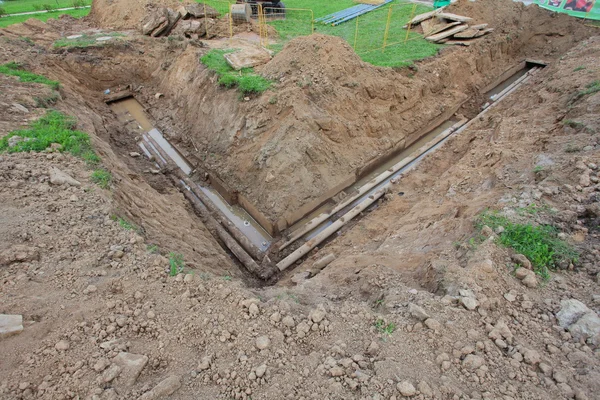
pixel 440 3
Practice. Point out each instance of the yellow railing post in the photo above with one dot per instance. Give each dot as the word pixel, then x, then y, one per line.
pixel 230 23
pixel 387 28
pixel 412 15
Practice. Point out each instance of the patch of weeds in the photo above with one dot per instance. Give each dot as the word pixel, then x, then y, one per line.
pixel 246 80
pixel 538 168
pixel 573 124
pixel 571 148
pixel 2 11
pixel 54 127
pixel 304 82
pixel 176 263
pixel 47 101
pixel 382 327
pixel 15 69
pixel 590 88
pixel 85 41
pixel 78 3
pixel 90 158
pixel 27 40
pixel 379 303
pixel 580 68
pixel 273 100
pixel 534 209
pixel 539 243
pixel 102 178
pixel 290 296
pixel 227 278
pixel 152 249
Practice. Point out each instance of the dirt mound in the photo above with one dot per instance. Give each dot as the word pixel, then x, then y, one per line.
pixel 519 19
pixel 321 56
pixel 125 14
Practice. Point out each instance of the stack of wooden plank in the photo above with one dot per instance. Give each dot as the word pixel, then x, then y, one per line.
pixel 442 27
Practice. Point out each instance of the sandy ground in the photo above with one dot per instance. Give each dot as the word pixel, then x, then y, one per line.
pixel 410 308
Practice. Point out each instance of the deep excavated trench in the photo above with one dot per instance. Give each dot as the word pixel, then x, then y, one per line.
pixel 244 236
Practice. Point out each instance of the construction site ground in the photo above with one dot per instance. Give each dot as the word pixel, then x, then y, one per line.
pixel 419 301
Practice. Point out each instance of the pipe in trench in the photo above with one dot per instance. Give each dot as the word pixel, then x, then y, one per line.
pixel 312 243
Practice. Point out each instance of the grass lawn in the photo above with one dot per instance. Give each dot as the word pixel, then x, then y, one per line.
pixel 6 21
pixel 371 30
pixel 19 6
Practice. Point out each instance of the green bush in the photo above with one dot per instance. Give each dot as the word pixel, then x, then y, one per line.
pixel 2 11
pixel 176 263
pixel 539 243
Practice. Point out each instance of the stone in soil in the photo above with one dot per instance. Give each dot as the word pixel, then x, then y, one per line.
pixel 10 325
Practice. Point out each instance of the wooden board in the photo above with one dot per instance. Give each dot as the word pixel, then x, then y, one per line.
pixel 480 26
pixel 454 17
pixel 485 32
pixel 436 27
pixel 447 33
pixel 468 34
pixel 422 17
pixel 458 42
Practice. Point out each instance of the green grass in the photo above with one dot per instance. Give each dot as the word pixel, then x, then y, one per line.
pixel 382 327
pixel 54 127
pixel 590 88
pixel 102 178
pixel 539 243
pixel 19 6
pixel 7 21
pixel 573 124
pixel 176 263
pixel 84 41
pixel 245 80
pixel 47 101
pixel 580 68
pixel 15 69
pixel 371 29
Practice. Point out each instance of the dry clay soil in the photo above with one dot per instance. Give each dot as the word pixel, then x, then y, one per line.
pixel 104 320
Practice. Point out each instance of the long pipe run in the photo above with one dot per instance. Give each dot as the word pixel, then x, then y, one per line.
pixel 318 220
pixel 319 238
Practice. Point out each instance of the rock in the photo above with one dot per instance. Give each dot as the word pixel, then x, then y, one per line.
pixel 14 140
pixel 373 348
pixel 587 327
pixel 111 373
pixel 155 20
pixel 261 370
pixel 531 357
pixel 417 312
pixel 270 177
pixel 288 321
pixel 134 154
pixel 131 366
pixel 20 108
pixel 275 317
pixel 406 389
pixel 10 325
pixel 58 177
pixel 570 311
pixel 433 324
pixel 262 342
pixel 191 28
pixel 62 345
pixel 510 297
pixel 101 364
pixel 473 362
pixel 165 388
pixel 201 10
pixel 469 303
pixel 300 277
pixel 205 363
pixel 521 260
pixel 19 253
pixel 425 389
pixel 336 371
pixel 253 310
pixel 530 281
pixel 318 314
pixel 521 273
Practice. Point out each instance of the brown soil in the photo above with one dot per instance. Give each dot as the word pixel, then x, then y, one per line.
pixel 89 289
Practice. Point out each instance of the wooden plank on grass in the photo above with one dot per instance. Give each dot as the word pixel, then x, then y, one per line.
pixel 454 17
pixel 423 17
pixel 447 33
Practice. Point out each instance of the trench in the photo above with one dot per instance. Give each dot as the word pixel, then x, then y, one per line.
pixel 266 253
